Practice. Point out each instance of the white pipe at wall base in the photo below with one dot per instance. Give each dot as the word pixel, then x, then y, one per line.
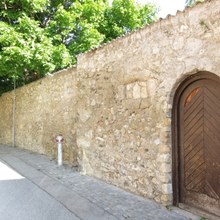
pixel 59 140
pixel 60 154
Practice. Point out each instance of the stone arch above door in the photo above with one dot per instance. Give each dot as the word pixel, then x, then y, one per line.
pixel 196 143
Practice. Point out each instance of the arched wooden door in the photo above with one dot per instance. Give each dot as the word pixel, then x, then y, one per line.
pixel 197 143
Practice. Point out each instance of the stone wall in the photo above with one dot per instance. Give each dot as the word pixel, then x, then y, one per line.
pixel 114 109
pixel 6 118
pixel 127 88
pixel 44 109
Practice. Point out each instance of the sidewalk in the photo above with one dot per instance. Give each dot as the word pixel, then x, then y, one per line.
pixel 86 197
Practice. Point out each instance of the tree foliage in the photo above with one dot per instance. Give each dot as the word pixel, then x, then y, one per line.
pixel 192 2
pixel 42 36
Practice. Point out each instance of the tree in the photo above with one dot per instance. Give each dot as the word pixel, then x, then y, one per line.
pixel 38 37
pixel 125 16
pixel 192 2
pixel 26 52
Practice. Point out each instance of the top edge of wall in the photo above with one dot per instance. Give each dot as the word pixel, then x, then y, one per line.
pixel 49 76
pixel 158 23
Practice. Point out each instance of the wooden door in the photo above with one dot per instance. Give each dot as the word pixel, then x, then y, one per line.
pixel 199 145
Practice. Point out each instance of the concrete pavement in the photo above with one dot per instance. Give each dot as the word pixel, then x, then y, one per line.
pixel 20 199
pixel 42 190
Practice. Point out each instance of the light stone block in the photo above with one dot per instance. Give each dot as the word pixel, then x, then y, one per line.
pixel 165 168
pixel 167 188
pixel 144 93
pixel 136 91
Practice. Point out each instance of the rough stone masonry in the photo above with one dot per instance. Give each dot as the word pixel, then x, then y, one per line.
pixel 114 107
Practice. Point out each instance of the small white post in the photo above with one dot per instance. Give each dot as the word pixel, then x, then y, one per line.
pixel 60 154
pixel 59 140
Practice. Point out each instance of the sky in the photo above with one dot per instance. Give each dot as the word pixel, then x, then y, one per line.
pixel 167 6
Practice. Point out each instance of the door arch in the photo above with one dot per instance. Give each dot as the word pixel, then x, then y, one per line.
pixel 196 143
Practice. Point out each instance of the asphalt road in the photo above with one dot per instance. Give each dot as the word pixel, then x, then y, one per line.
pixel 20 199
